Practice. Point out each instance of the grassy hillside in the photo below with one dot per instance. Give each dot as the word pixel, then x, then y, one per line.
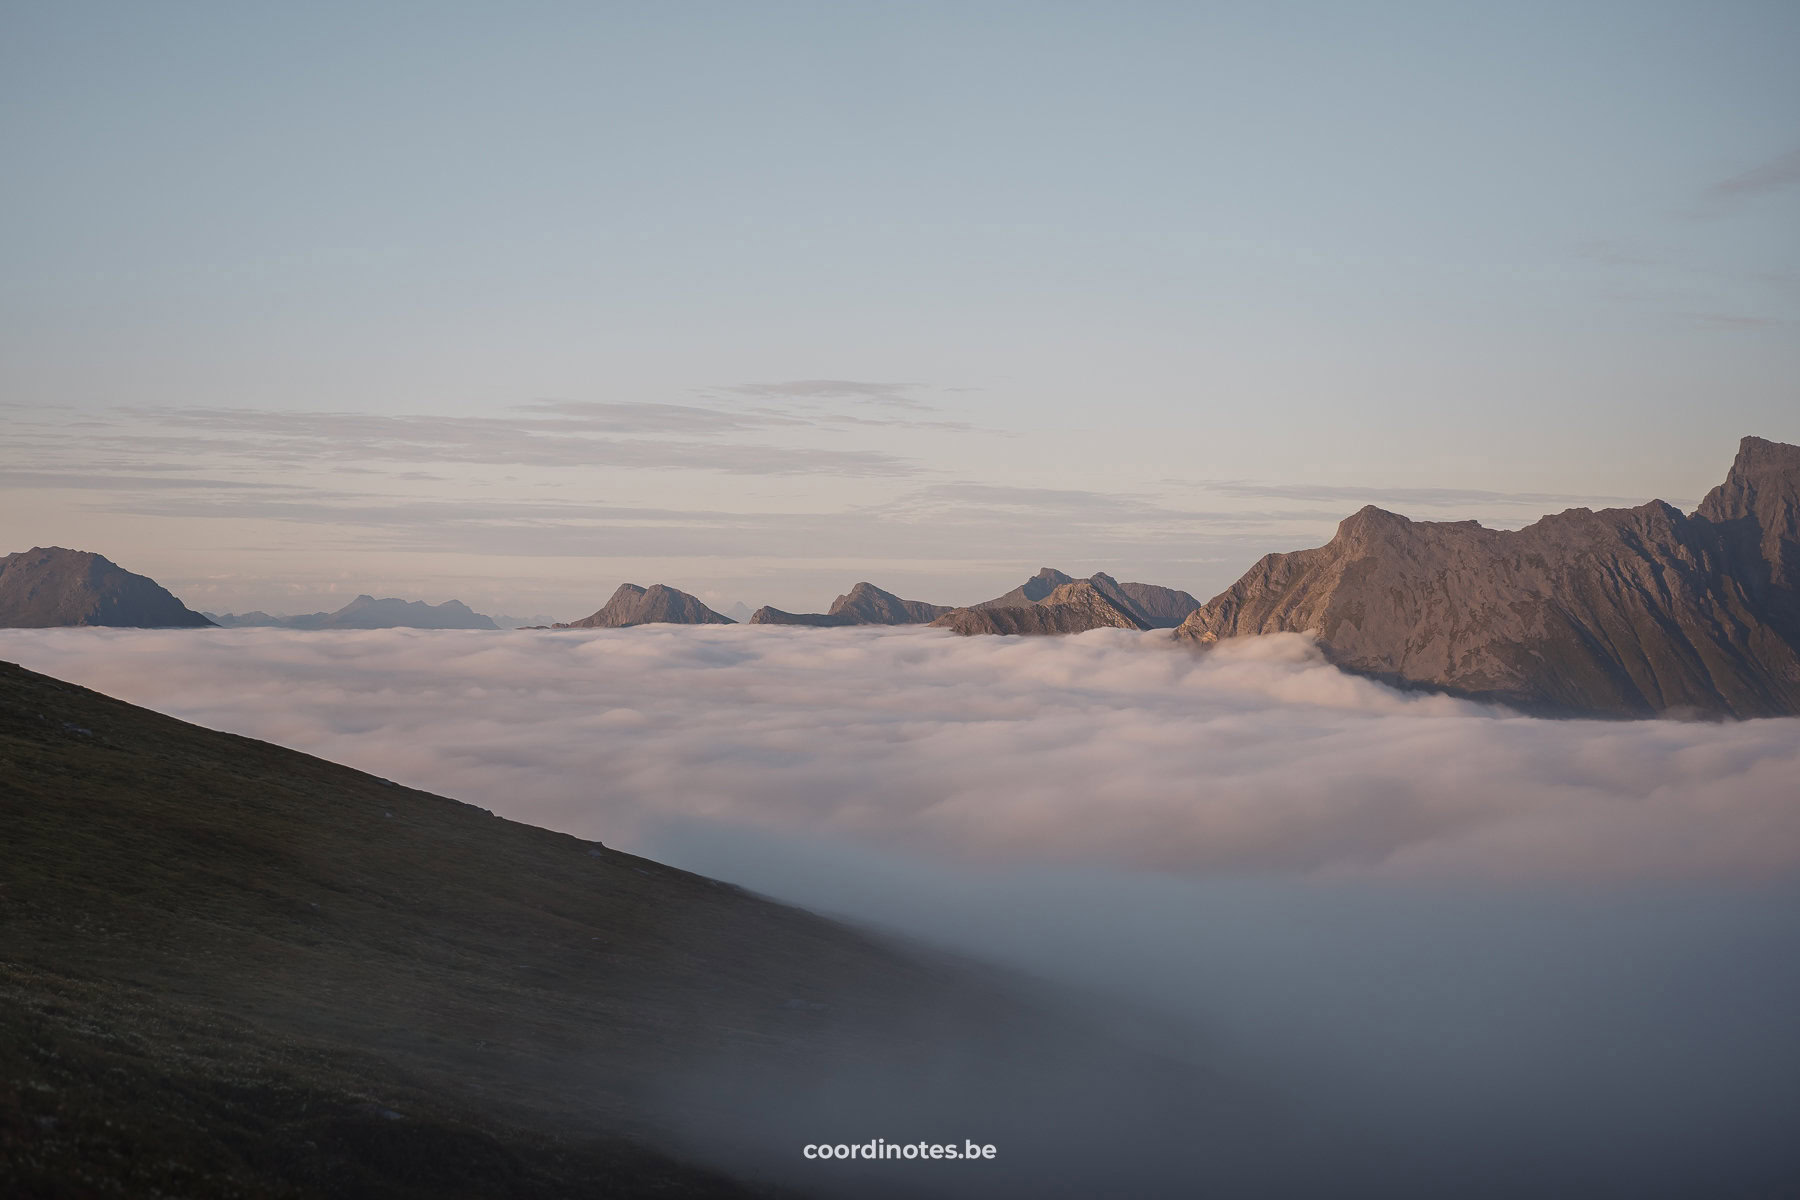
pixel 231 969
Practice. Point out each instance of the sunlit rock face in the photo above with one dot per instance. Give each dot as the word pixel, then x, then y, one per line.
pixel 1622 612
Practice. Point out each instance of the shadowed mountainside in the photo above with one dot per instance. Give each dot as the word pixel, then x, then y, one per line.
pixel 655 605
pixel 864 604
pixel 1623 612
pixel 49 586
pixel 366 612
pixel 230 969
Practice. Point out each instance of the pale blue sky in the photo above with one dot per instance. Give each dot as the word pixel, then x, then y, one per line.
pixel 515 302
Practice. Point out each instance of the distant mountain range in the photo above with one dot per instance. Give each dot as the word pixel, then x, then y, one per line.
pixel 366 612
pixel 1621 612
pixel 509 622
pixel 48 586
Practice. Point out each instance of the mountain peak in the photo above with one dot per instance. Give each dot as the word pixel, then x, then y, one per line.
pixel 53 585
pixel 1625 611
pixel 658 604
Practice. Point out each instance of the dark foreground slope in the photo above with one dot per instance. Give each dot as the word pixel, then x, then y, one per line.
pixel 231 969
pixel 1623 612
pixel 48 586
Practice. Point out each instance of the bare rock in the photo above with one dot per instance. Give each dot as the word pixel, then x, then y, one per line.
pixel 1623 612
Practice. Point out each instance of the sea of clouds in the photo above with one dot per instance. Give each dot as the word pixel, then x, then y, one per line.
pixel 1110 748
pixel 1464 935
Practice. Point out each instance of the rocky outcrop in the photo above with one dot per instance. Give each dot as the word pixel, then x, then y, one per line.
pixel 366 612
pixel 1623 612
pixel 49 586
pixel 1073 607
pixel 655 605
pixel 864 604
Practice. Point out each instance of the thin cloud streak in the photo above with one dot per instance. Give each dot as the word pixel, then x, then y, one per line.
pixel 897 395
pixel 1774 176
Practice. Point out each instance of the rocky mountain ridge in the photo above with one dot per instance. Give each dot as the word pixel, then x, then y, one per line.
pixel 1620 612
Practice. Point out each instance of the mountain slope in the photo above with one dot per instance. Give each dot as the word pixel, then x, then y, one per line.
pixel 1619 612
pixel 1070 608
pixel 231 969
pixel 867 604
pixel 657 604
pixel 1039 586
pixel 1159 607
pixel 51 586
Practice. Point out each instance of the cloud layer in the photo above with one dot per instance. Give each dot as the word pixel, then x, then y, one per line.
pixel 1448 949
pixel 1110 749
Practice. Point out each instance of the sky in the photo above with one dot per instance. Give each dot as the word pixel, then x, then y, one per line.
pixel 1404 921
pixel 514 303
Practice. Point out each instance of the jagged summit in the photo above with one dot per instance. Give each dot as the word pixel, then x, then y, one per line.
pixel 1621 611
pixel 658 604
pixel 1757 513
pixel 48 586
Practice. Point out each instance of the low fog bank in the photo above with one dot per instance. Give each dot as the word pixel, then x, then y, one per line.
pixel 1297 933
pixel 1399 1038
